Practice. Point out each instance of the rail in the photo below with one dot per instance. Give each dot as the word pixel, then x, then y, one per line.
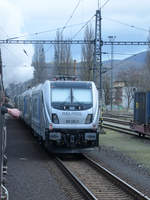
pixel 125 186
pixel 96 182
pixel 81 187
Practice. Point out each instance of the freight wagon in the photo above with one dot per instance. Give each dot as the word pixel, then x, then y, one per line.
pixel 141 118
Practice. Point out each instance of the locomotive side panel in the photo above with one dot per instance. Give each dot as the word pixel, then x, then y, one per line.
pixel 27 106
pixel 35 120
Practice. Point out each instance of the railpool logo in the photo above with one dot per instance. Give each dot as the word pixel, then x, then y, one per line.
pixel 72 113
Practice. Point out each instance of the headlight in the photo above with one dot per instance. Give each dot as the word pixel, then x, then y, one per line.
pixel 89 119
pixel 55 119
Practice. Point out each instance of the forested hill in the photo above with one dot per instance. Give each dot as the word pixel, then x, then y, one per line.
pixel 137 61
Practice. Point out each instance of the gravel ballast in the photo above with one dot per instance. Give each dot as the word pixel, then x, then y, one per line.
pixel 126 156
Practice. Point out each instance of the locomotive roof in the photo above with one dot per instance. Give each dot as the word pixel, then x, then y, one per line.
pixel 80 84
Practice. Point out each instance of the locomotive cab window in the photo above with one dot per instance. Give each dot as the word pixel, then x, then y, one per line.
pixel 82 95
pixel 71 96
pixel 61 95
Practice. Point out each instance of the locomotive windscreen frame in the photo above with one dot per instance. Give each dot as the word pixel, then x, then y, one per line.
pixel 71 95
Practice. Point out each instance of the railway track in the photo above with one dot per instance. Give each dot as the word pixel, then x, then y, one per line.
pixel 114 124
pixel 125 116
pixel 123 122
pixel 120 129
pixel 95 182
pixel 122 126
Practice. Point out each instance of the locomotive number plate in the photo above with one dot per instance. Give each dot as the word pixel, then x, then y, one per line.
pixel 55 136
pixel 90 136
pixel 72 121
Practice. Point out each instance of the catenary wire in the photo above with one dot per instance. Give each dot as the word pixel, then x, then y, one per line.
pixel 42 32
pixel 2 29
pixel 51 30
pixel 65 26
pixel 74 10
pixel 25 52
pixel 83 26
pixel 125 24
pixel 105 4
pixel 117 53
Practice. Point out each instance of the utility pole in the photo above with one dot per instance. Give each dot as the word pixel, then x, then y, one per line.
pixel 97 68
pixel 111 39
pixel 1 65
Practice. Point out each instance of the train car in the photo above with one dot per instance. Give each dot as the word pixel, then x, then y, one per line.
pixel 141 120
pixel 63 114
pixel 26 106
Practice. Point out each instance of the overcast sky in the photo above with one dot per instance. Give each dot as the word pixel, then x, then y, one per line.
pixel 128 20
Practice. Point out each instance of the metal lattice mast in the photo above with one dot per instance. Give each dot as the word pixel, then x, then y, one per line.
pixel 1 64
pixel 97 68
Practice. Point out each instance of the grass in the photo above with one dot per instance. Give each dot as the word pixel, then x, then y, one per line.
pixel 134 147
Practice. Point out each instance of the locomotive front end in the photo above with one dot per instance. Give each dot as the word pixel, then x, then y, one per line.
pixel 74 115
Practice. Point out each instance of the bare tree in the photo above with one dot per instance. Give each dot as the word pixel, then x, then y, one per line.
pixel 38 63
pixel 62 56
pixel 117 97
pixel 87 54
pixel 129 94
pixel 132 79
pixel 131 76
pixel 106 87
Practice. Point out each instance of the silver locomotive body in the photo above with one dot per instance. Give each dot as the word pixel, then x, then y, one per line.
pixel 64 114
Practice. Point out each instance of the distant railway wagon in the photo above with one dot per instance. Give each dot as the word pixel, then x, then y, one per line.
pixel 141 120
pixel 64 115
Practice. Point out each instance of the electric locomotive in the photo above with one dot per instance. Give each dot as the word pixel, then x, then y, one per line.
pixel 64 115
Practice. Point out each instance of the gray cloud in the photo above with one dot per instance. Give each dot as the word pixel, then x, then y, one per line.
pixel 13 56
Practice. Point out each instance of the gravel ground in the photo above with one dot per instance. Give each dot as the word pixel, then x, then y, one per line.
pixel 28 175
pixel 120 163
pixel 28 163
